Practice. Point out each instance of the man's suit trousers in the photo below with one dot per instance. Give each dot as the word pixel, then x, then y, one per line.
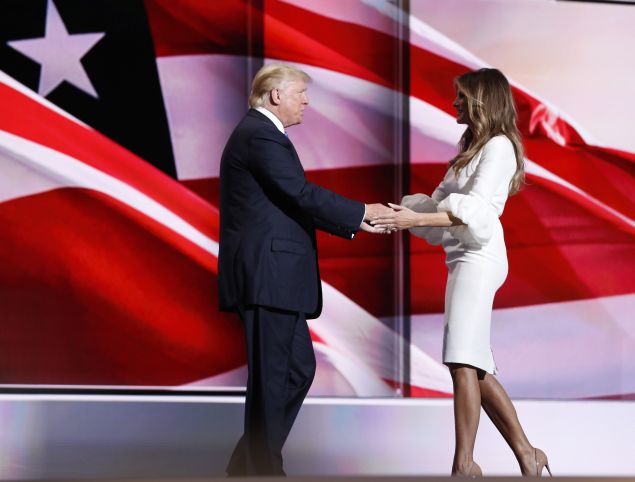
pixel 281 365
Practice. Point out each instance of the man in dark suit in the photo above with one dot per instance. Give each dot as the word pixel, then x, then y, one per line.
pixel 267 264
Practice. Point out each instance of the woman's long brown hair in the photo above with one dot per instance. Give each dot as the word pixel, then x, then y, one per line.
pixel 491 111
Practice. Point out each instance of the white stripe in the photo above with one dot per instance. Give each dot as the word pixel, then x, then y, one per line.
pixel 356 334
pixel 345 124
pixel 236 378
pixel 361 377
pixel 350 122
pixel 205 97
pixel 63 170
pixel 20 178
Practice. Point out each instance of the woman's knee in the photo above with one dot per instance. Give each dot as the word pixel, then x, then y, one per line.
pixel 460 371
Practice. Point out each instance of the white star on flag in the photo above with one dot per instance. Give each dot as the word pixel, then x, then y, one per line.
pixel 59 54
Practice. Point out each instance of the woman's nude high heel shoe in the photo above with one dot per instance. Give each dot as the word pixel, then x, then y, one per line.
pixel 474 472
pixel 541 462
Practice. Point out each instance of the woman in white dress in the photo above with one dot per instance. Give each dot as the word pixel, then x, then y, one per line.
pixel 463 215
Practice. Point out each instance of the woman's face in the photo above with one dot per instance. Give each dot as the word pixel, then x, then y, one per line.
pixel 460 104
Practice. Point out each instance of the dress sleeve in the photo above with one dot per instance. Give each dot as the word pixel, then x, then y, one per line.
pixel 495 168
pixel 440 193
pixel 421 203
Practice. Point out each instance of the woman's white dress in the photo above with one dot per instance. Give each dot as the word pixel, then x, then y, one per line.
pixel 476 256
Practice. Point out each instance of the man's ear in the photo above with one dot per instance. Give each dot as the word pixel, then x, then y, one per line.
pixel 274 96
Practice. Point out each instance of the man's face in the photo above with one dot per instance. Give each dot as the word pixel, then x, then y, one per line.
pixel 293 100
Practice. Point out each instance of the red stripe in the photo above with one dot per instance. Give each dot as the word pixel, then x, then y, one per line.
pixel 105 297
pixel 198 26
pixel 607 176
pixel 27 118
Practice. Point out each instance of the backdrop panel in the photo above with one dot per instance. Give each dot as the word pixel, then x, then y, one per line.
pixel 114 117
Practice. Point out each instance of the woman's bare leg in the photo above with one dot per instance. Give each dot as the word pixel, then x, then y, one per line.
pixel 501 411
pixel 467 411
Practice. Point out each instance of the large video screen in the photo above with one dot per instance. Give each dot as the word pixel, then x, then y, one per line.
pixel 113 119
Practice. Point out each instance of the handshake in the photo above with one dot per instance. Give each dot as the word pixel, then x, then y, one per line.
pixel 386 219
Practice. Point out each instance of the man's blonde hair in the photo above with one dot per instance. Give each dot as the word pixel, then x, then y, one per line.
pixel 272 76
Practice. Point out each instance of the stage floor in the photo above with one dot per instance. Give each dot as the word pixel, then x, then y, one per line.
pixel 78 437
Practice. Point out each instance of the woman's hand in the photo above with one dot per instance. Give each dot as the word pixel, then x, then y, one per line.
pixel 373 229
pixel 400 218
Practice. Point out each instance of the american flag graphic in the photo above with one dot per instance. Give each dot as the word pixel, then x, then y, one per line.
pixel 113 118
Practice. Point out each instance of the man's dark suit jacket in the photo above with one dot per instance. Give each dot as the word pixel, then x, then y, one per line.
pixel 269 213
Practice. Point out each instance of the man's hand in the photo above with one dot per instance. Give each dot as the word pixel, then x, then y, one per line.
pixel 377 210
